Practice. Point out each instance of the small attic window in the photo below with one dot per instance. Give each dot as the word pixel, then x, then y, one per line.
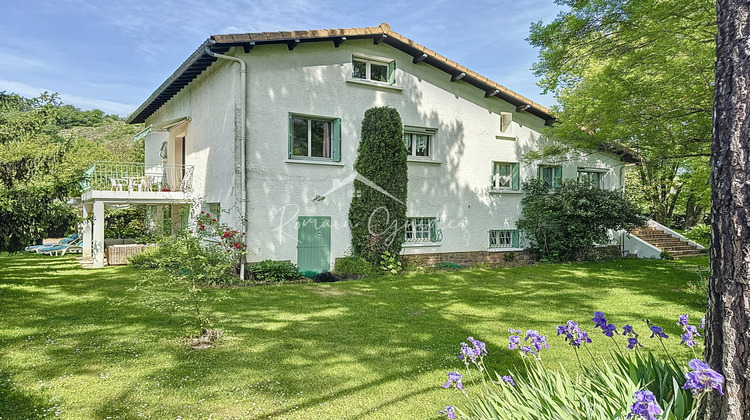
pixel 374 69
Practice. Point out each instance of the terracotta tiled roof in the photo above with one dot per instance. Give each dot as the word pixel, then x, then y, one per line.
pixel 200 60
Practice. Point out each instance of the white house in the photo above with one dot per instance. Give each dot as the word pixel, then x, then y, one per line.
pixel 266 125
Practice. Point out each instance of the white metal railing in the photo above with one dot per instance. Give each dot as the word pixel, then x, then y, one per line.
pixel 135 176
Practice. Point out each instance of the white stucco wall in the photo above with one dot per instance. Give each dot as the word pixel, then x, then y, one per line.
pixel 313 80
pixel 209 101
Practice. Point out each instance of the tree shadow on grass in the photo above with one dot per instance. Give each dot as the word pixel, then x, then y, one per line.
pixel 19 404
pixel 296 347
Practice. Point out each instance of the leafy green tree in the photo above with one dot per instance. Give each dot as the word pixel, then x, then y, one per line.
pixel 377 219
pixel 634 75
pixel 567 224
pixel 40 167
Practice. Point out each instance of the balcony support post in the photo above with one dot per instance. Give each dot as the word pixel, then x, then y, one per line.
pixel 88 209
pixel 98 242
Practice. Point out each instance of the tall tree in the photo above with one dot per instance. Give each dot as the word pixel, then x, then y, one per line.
pixel 40 166
pixel 636 75
pixel 728 319
pixel 377 214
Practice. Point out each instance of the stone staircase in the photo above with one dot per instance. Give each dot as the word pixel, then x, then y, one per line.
pixel 666 242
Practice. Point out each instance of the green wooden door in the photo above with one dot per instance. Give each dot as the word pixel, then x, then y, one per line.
pixel 314 244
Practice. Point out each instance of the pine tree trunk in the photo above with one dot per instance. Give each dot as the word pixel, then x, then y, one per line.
pixel 728 318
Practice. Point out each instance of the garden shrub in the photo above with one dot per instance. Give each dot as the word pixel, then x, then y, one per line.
pixel 700 233
pixel 377 220
pixel 210 255
pixel 275 271
pixel 390 263
pixel 509 257
pixel 355 267
pixel 567 224
pixel 326 277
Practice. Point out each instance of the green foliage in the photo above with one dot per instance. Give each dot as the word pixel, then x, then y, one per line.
pixel 377 220
pixel 700 233
pixel 666 255
pixel 127 222
pixel 186 256
pixel 355 267
pixel 40 166
pixel 390 263
pixel 275 271
pixel 509 257
pixel 636 76
pixel 603 391
pixel 555 394
pixel 662 378
pixel 567 224
pixel 209 255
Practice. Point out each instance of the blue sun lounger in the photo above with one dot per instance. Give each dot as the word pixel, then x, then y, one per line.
pixel 64 241
pixel 62 249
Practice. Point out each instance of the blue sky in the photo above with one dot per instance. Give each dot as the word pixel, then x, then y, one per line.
pixel 112 55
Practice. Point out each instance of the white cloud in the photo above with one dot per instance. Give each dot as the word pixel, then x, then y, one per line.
pixel 82 102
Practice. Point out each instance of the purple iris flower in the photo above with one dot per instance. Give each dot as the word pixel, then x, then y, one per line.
pixel 627 329
pixel 633 342
pixel 702 378
pixel 508 380
pixel 703 323
pixel 454 378
pixel 538 341
pixel 449 411
pixel 467 353
pixel 689 337
pixel 527 349
pixel 514 331
pixel 657 331
pixel 573 334
pixel 645 406
pixel 682 320
pixel 514 342
pixel 609 329
pixel 599 319
pixel 480 349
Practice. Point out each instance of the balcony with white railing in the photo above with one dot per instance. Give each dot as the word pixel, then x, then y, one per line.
pixel 137 181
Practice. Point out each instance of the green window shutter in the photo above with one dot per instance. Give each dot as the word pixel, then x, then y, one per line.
pixel 289 143
pixel 433 232
pixel 516 180
pixel 514 239
pixel 558 176
pixel 392 72
pixel 336 144
pixel 538 172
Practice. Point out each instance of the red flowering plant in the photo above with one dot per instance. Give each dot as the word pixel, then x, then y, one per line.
pixel 211 230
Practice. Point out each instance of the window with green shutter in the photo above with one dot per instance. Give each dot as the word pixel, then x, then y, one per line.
pixel 312 137
pixel 551 175
pixel 505 176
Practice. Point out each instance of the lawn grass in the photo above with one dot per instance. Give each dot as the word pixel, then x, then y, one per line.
pixel 111 343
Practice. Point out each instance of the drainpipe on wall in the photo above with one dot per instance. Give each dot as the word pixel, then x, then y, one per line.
pixel 243 142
